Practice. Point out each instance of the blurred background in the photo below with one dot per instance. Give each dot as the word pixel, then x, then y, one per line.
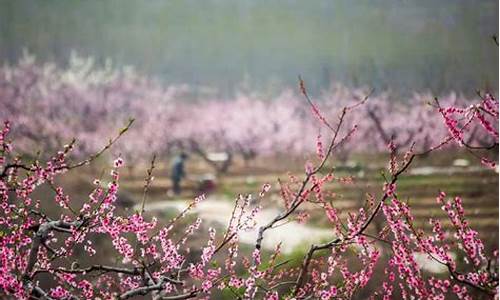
pixel 221 46
pixel 212 86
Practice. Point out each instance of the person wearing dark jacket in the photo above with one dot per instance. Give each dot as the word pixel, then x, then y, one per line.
pixel 178 172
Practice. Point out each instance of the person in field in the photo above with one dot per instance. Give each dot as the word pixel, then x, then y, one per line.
pixel 178 172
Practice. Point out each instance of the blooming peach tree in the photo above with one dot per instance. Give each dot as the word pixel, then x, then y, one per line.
pixel 43 100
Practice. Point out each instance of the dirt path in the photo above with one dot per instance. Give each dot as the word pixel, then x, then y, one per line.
pixel 292 235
